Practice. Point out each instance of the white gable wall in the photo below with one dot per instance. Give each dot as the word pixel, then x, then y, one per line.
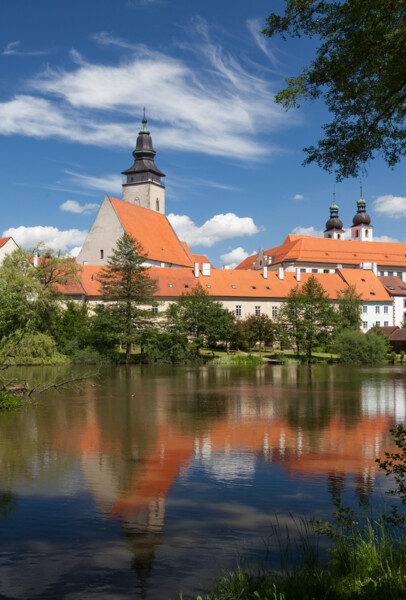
pixel 7 248
pixel 103 236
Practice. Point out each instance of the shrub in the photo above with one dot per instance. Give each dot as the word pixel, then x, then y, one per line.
pixel 8 401
pixel 164 348
pixel 32 349
pixel 355 347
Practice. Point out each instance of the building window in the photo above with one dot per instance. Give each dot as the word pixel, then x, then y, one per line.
pixel 365 324
pixel 238 311
pixel 378 323
pixel 404 303
pixel 367 233
pixel 399 275
pixel 257 311
pixel 338 236
pixel 314 271
pixel 101 254
pixel 365 308
pixel 157 205
pixel 274 311
pixel 386 309
pixel 390 273
pixel 386 323
pixel 381 273
pixel 154 309
pixel 326 270
pixel 377 309
pixel 303 270
pixel 357 233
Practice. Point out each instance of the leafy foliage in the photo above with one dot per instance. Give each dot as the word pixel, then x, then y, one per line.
pixel 33 348
pixel 198 315
pixel 355 347
pixel 259 329
pixel 358 70
pixel 128 287
pixel 394 465
pixel 164 347
pixel 307 318
pixel 349 309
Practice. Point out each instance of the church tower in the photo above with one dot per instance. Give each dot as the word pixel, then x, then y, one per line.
pixel 361 229
pixel 334 226
pixel 143 185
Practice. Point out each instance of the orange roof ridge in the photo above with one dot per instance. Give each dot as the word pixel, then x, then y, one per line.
pixel 153 230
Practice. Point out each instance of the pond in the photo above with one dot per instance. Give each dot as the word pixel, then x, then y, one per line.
pixel 145 482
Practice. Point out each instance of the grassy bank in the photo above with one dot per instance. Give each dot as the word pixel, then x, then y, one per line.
pixel 365 562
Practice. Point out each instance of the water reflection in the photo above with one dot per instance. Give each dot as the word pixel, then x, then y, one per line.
pixel 144 435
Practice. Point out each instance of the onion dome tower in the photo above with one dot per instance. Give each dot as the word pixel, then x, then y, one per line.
pixel 334 226
pixel 143 185
pixel 361 229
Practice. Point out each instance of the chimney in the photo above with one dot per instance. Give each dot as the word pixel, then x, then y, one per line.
pixel 375 268
pixel 298 274
pixel 206 269
pixel 265 272
pixel 35 259
pixel 226 267
pixel 280 273
pixel 196 270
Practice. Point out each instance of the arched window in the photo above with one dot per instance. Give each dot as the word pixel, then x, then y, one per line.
pixel 157 205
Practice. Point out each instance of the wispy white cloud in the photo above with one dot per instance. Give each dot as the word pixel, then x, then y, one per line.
pixel 205 90
pixel 181 182
pixel 73 206
pixel 111 184
pixel 298 197
pixel 51 236
pixel 220 227
pixel 307 231
pixel 254 27
pixel 12 49
pixel 234 257
pixel 391 206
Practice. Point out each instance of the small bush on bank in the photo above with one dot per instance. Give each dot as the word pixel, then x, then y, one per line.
pixel 237 359
pixel 8 401
pixel 164 348
pixel 32 348
pixel 355 347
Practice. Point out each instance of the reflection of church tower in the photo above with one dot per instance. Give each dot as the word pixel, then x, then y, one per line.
pixel 364 486
pixel 335 484
pixel 143 531
pixel 334 226
pixel 361 229
pixel 143 185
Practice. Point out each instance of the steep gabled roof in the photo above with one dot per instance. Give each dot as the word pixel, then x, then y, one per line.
pixel 153 231
pixel 309 249
pixel 3 241
pixel 366 283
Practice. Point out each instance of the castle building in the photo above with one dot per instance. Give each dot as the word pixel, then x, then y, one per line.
pixel 261 283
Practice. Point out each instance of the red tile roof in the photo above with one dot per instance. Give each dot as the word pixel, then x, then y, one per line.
pixel 3 241
pixel 309 249
pixel 153 231
pixel 394 285
pixel 366 283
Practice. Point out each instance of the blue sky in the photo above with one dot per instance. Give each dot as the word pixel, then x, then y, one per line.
pixel 74 78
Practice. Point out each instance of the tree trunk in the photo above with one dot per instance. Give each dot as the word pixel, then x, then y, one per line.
pixel 129 351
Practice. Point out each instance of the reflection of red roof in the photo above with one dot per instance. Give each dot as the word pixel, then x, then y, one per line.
pixel 308 249
pixel 153 231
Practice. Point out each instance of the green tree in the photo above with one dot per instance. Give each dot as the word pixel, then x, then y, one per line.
pixel 259 330
pixel 128 288
pixel 355 347
pixel 198 315
pixel 358 70
pixel 307 317
pixel 349 309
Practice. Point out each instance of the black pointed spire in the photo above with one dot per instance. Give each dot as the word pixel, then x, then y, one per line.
pixel 144 154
